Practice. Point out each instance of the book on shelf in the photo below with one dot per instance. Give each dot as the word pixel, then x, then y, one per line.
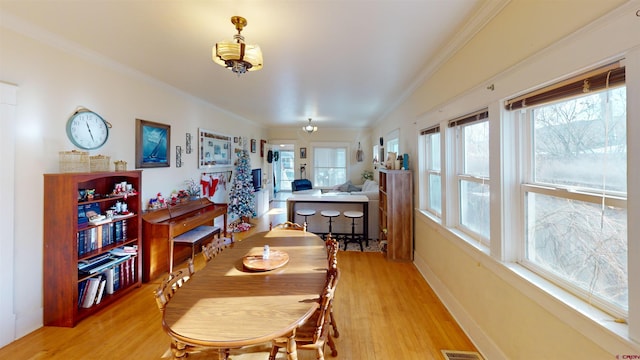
pixel 109 276
pixel 90 293
pixel 82 287
pixel 103 283
pixel 124 250
pixel 99 236
pixel 100 263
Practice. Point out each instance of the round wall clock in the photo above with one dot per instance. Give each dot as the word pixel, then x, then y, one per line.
pixel 87 130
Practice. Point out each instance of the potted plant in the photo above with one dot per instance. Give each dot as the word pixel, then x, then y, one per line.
pixel 193 189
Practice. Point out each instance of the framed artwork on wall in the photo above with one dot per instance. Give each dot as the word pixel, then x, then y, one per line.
pixel 214 149
pixel 253 145
pixel 152 144
pixel 178 156
pixel 303 153
pixel 188 143
pixel 262 142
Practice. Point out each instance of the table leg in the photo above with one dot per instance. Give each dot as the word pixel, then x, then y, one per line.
pixel 223 354
pixel 179 350
pixel 365 222
pixel 292 351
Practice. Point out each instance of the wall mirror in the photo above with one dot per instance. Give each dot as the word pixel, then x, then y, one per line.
pixel 214 149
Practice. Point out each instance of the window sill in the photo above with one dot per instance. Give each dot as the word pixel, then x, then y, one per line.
pixel 598 326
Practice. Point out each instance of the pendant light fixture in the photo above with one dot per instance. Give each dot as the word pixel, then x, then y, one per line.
pixel 235 54
pixel 310 128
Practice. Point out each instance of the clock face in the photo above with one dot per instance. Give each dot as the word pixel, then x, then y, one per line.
pixel 87 130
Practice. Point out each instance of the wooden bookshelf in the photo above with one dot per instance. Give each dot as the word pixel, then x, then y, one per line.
pixel 396 213
pixel 66 244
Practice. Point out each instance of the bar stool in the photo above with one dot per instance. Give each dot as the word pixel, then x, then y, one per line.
pixel 305 213
pixel 330 214
pixel 357 238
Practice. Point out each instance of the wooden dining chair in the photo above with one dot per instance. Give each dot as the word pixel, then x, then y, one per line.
pixel 212 249
pixel 332 249
pixel 172 283
pixel 313 334
pixel 288 225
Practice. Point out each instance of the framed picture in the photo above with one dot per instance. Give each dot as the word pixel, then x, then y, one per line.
pixel 253 145
pixel 262 142
pixel 187 148
pixel 178 156
pixel 152 144
pixel 303 153
pixel 214 149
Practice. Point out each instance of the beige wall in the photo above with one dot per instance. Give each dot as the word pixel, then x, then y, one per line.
pixel 529 42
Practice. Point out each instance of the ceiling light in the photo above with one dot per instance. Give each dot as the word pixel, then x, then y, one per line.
pixel 235 54
pixel 310 128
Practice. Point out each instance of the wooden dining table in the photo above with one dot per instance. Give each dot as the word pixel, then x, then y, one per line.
pixel 226 306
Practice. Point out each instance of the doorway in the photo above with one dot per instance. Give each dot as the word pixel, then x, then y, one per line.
pixel 283 166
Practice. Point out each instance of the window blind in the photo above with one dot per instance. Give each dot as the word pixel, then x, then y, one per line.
pixel 469 118
pixel 607 76
pixel 431 130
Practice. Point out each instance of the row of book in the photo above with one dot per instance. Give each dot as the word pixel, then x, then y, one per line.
pixel 92 290
pixel 96 237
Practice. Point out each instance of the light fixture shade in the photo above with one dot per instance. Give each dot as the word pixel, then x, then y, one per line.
pixel 310 128
pixel 238 56
pixel 235 54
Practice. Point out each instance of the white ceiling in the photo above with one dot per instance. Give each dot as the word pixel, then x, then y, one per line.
pixel 343 63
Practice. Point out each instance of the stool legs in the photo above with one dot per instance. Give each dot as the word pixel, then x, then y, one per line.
pixel 354 237
pixel 330 214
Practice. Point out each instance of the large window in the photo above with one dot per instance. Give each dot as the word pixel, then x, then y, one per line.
pixel 574 193
pixel 472 173
pixel 430 143
pixel 329 166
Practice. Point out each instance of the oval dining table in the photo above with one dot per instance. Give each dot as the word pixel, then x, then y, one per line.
pixel 226 306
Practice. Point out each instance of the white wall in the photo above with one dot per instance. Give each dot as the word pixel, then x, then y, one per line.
pixel 7 181
pixel 506 316
pixel 52 83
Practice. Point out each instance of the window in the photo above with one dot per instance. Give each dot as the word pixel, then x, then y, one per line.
pixel 575 195
pixel 472 173
pixel 329 166
pixel 393 143
pixel 430 143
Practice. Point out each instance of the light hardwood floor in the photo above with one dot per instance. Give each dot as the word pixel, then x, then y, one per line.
pixel 384 310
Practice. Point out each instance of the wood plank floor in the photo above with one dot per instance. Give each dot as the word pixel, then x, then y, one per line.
pixel 384 310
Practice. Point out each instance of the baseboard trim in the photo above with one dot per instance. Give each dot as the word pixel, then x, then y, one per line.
pixel 483 343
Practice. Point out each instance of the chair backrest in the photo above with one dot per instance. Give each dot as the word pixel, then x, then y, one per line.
pixel 288 225
pixel 332 251
pixel 172 283
pixel 213 248
pixel 326 300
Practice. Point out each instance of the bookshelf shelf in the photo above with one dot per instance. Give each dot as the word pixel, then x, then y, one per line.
pixel 72 289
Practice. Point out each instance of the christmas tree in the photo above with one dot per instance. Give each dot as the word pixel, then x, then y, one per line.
pixel 241 196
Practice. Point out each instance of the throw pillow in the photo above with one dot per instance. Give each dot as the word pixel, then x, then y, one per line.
pixel 344 187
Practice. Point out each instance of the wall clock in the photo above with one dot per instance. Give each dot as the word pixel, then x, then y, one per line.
pixel 87 130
